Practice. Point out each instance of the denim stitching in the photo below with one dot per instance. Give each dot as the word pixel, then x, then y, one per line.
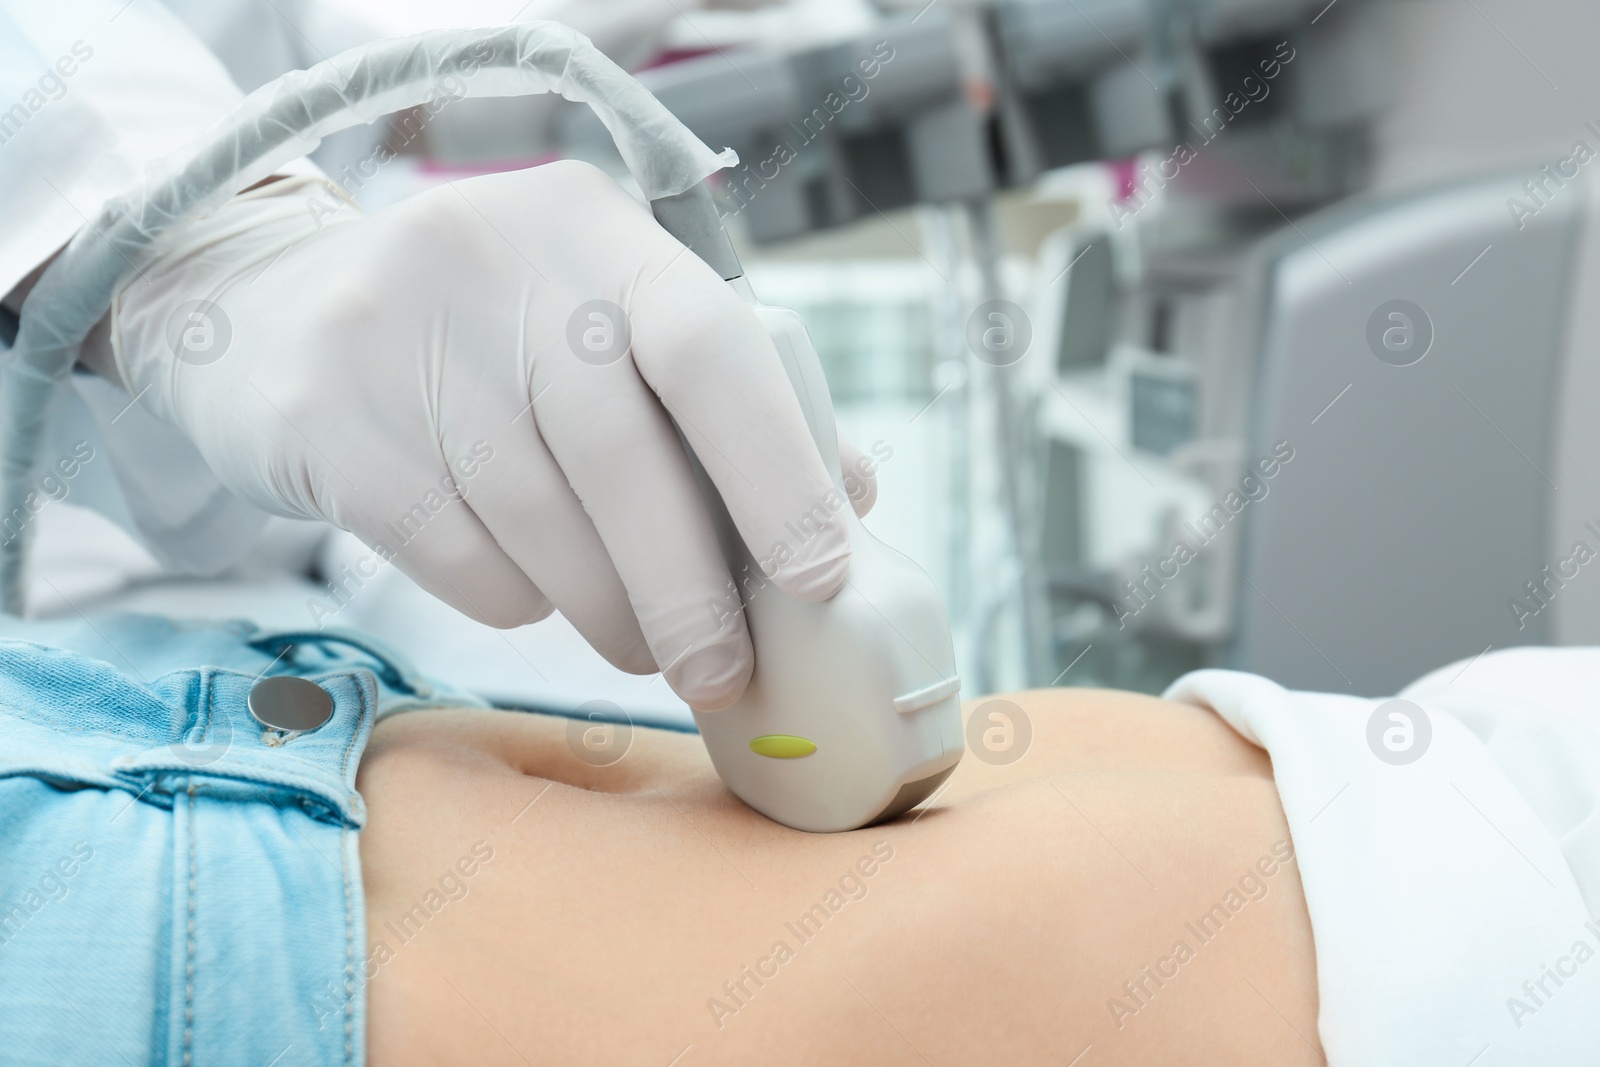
pixel 349 950
pixel 384 662
pixel 207 683
pixel 361 718
pixel 365 700
pixel 189 950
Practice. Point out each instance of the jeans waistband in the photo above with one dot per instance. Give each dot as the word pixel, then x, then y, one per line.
pixel 187 725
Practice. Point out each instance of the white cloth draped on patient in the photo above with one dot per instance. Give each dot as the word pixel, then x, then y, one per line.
pixel 1455 898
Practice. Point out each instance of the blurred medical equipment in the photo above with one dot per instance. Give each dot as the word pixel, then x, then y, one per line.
pixel 1428 362
pixel 852 715
pixel 1354 430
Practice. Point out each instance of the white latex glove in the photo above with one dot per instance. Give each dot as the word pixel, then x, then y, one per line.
pixel 414 377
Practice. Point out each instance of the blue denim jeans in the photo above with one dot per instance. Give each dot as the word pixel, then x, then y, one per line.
pixel 178 883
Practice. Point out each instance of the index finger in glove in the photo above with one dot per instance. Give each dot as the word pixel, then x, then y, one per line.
pixel 709 359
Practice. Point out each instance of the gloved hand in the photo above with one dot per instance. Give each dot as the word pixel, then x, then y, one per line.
pixel 451 380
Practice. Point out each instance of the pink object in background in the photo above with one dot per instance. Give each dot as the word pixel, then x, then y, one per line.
pixel 1126 174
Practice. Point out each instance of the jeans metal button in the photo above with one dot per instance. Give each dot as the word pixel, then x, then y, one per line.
pixel 290 704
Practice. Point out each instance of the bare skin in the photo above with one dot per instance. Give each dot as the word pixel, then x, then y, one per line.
pixel 998 925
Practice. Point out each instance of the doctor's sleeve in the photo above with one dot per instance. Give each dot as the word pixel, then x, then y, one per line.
pixel 92 91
